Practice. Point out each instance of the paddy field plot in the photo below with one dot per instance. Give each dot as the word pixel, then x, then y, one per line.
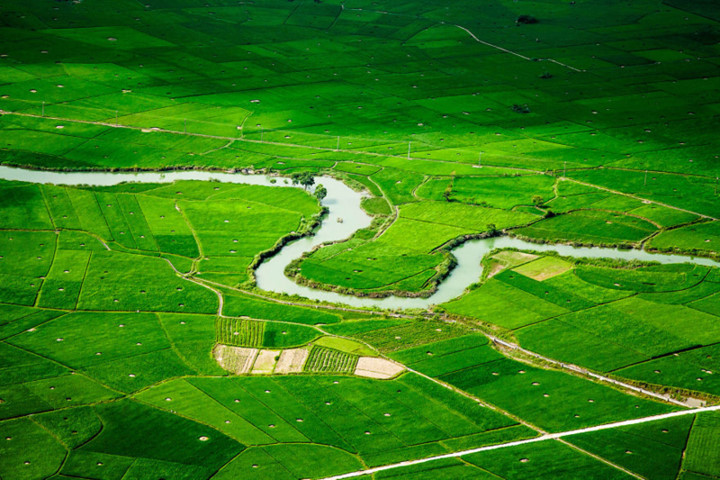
pixel 593 125
pixel 656 324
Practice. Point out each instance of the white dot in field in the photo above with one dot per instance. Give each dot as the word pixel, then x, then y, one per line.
pixel 168 399
pixel 524 460
pixel 122 325
pixel 204 439
pixel 132 375
pixel 99 464
pixel 59 339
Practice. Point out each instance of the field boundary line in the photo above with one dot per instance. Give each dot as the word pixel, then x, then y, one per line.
pixel 685 446
pixel 82 283
pixel 264 142
pixel 479 401
pixel 543 438
pixel 601 459
pixel 617 192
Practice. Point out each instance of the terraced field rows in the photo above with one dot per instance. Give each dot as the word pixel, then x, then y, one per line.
pixel 239 332
pixel 323 360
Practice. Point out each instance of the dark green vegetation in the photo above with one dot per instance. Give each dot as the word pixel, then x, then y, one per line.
pixel 557 121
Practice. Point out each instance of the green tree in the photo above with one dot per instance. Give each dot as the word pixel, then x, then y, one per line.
pixel 448 191
pixel 305 179
pixel 537 200
pixel 526 20
pixel 320 192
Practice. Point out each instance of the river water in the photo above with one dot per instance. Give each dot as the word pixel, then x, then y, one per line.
pixel 345 217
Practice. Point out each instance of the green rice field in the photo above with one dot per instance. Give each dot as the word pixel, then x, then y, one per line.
pixel 136 342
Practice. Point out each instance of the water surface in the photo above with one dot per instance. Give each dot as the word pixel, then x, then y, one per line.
pixel 344 218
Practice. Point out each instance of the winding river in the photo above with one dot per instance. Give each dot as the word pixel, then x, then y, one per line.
pixel 343 204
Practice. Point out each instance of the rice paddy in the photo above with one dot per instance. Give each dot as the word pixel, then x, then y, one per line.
pixel 135 342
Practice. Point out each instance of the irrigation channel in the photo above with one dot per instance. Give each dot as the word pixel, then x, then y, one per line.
pixel 344 218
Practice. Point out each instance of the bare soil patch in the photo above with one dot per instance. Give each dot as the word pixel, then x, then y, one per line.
pixel 379 368
pixel 291 361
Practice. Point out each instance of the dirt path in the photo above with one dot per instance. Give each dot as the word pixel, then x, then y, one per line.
pixel 644 200
pixel 543 438
pixel 588 373
pixel 221 299
pixel 503 49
